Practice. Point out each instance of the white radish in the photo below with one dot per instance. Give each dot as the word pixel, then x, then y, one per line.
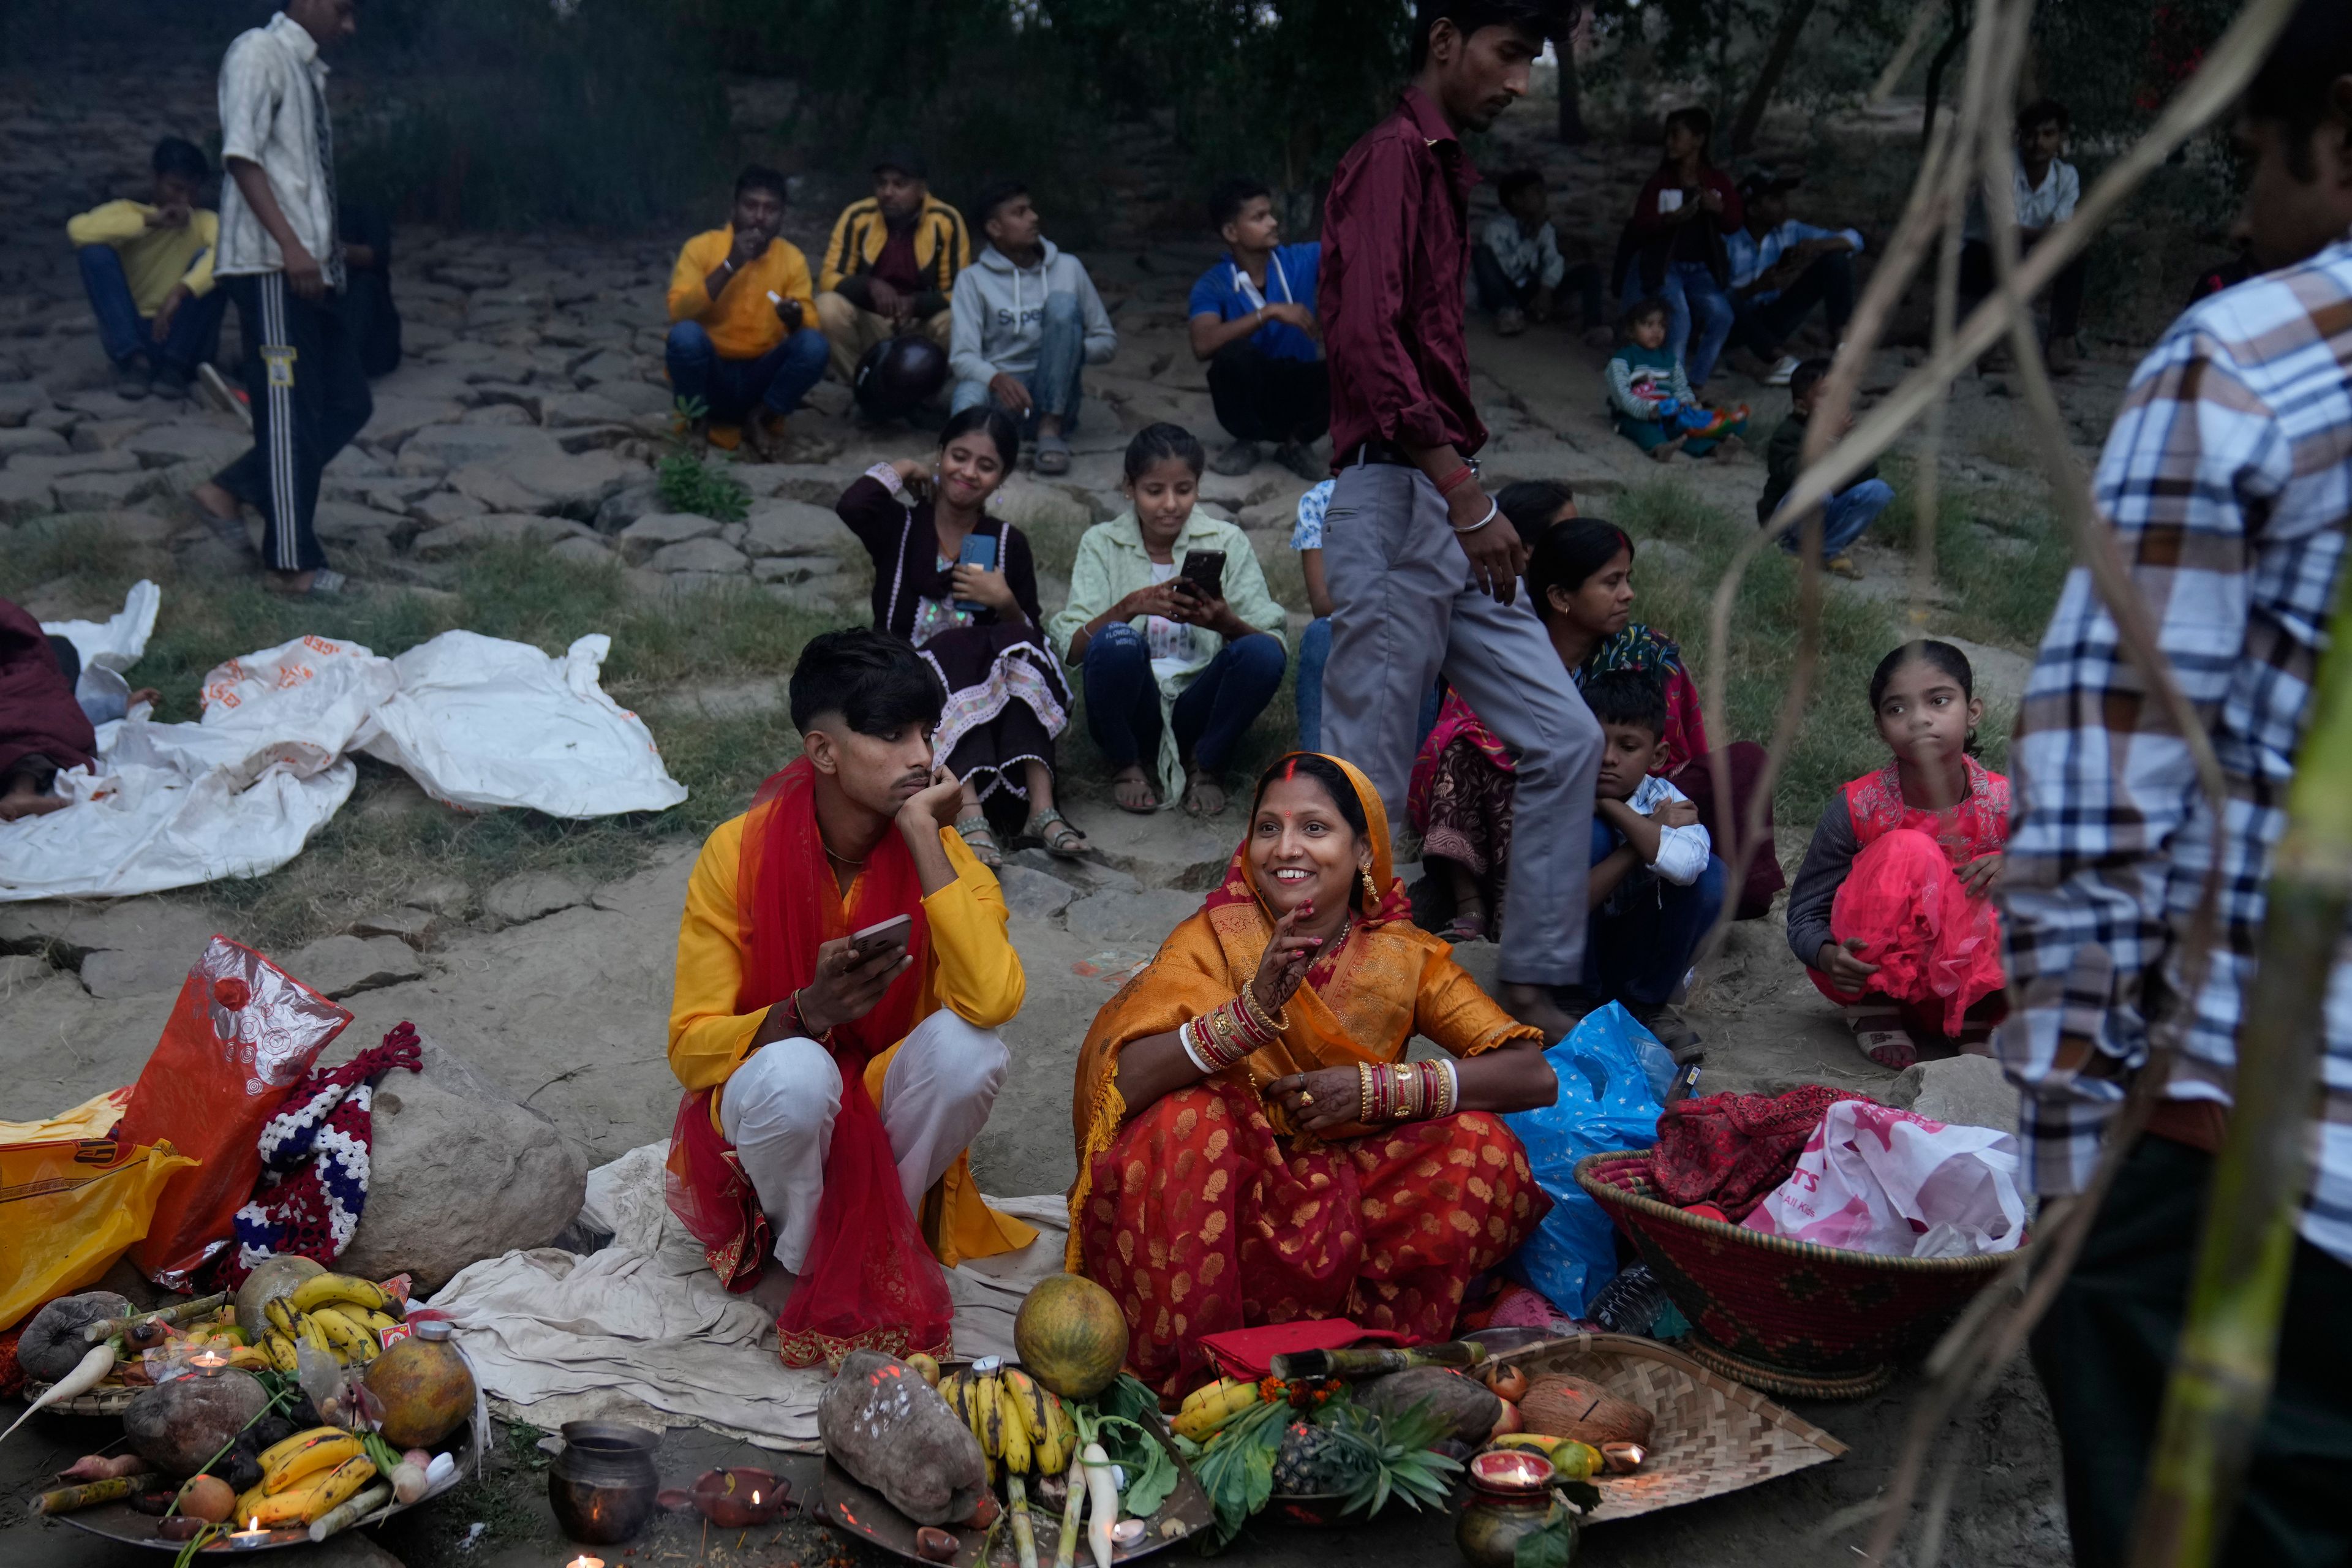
pixel 408 1482
pixel 1102 1502
pixel 84 1377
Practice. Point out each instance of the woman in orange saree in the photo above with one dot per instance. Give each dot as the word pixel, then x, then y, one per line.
pixel 1253 1147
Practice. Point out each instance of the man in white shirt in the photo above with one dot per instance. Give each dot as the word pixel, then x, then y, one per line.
pixel 1656 883
pixel 281 262
pixel 2044 188
pixel 1781 270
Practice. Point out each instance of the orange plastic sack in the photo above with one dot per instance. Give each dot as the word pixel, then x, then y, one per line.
pixel 242 1033
pixel 68 1209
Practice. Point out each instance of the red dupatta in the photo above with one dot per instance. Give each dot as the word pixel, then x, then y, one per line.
pixel 870 1280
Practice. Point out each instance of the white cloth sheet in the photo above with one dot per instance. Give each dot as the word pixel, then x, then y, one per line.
pixel 479 722
pixel 642 1330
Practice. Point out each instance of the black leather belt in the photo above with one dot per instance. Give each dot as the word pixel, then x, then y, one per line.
pixel 1380 452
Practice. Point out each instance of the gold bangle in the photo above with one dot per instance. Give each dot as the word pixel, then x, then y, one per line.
pixel 1364 1093
pixel 1272 1024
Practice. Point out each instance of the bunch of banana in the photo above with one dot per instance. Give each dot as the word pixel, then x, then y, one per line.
pixel 338 1313
pixel 1212 1405
pixel 1019 1422
pixel 305 1476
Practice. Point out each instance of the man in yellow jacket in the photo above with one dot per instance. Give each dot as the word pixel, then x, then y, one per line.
pixel 147 267
pixel 889 265
pixel 743 341
pixel 840 924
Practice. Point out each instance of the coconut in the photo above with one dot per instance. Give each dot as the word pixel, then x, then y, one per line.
pixel 1070 1336
pixel 52 1345
pixel 1562 1406
pixel 276 1277
pixel 178 1426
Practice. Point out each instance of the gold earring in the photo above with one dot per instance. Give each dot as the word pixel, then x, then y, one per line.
pixel 1372 890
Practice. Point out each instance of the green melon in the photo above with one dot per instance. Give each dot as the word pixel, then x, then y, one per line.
pixel 1071 1336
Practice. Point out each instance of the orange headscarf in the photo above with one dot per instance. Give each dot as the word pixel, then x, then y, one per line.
pixel 1360 1004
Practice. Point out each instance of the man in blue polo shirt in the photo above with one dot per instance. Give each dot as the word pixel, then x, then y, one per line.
pixel 1253 321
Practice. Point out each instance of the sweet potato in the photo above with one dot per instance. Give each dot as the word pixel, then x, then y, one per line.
pixel 891 1430
pixel 1562 1406
pixel 1470 1409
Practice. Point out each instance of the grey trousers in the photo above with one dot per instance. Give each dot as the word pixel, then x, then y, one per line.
pixel 1404 609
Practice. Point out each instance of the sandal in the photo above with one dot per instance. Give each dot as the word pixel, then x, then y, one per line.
pixel 1196 804
pixel 981 839
pixel 1882 1036
pixel 1468 924
pixel 326 582
pixel 1059 835
pixel 1053 455
pixel 1141 806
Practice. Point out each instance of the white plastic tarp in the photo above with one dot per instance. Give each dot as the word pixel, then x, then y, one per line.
pixel 482 722
pixel 478 721
pixel 118 643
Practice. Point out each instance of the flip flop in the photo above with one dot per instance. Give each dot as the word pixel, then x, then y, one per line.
pixel 1464 928
pixel 1053 455
pixel 1059 835
pixel 326 582
pixel 981 839
pixel 1151 801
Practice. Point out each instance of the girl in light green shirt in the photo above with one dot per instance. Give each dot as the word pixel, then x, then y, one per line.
pixel 1173 675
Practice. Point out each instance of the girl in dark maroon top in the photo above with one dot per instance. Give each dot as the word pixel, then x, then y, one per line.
pixel 1676 236
pixel 979 630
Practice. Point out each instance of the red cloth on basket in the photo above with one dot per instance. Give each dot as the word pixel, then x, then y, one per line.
pixel 870 1280
pixel 1731 1149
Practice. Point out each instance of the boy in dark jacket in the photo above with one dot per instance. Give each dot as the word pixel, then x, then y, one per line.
pixel 1846 514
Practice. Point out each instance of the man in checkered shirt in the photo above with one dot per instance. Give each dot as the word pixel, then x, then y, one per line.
pixel 2228 481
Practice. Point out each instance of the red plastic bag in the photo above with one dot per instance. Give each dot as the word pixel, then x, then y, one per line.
pixel 242 1033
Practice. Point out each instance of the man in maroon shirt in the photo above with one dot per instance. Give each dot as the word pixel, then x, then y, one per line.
pixel 1422 566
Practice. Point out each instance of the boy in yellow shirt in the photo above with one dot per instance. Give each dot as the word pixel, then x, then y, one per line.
pixel 743 340
pixel 149 270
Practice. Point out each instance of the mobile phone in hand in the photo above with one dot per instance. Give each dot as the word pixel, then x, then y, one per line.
pixel 1205 571
pixel 980 551
pixel 881 936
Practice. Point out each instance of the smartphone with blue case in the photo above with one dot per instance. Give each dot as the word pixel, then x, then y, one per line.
pixel 979 550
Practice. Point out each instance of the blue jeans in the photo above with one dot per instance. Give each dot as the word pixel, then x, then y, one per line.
pixel 1640 942
pixel 730 388
pixel 125 335
pixel 1056 381
pixel 1846 516
pixel 1215 711
pixel 1696 303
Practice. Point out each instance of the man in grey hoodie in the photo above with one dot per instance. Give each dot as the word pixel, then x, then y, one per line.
pixel 1027 319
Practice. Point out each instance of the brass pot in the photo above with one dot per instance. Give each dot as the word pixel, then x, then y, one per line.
pixel 603 1486
pixel 1510 1499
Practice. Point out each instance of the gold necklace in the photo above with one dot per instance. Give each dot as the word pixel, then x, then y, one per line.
pixel 838 860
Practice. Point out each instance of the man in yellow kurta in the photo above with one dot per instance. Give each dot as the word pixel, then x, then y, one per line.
pixel 147 267
pixel 744 337
pixel 775 989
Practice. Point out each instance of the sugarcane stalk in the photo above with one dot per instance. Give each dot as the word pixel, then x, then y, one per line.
pixel 66 1500
pixel 1372 1361
pixel 2228 1355
pixel 180 1312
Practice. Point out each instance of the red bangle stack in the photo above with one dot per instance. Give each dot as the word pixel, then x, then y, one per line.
pixel 1403 1091
pixel 1233 1030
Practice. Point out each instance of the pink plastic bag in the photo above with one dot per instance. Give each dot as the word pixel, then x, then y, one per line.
pixel 242 1033
pixel 1875 1179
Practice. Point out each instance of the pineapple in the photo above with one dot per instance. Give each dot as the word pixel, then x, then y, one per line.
pixel 1315 1461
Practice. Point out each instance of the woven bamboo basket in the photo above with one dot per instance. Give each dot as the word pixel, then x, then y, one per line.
pixel 107 1399
pixel 1792 1317
pixel 1712 1436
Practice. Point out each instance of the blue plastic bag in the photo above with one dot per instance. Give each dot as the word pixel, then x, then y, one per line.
pixel 1613 1076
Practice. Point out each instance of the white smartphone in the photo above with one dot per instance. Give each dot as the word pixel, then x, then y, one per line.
pixel 881 935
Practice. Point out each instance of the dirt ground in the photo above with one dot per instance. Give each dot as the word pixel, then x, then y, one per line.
pixel 566 1010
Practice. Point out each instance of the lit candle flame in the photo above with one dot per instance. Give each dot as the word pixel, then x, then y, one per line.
pixel 755 1498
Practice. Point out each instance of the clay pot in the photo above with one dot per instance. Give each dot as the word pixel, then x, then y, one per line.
pixel 1510 1499
pixel 738 1497
pixel 603 1486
